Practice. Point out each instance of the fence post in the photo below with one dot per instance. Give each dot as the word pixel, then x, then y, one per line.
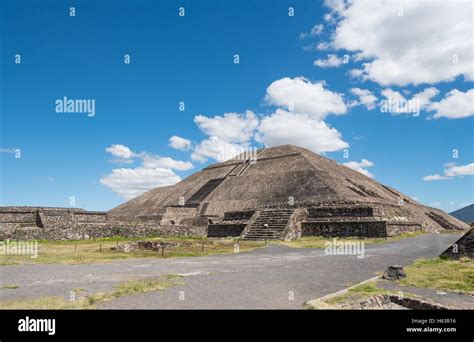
pixel 202 246
pixel 100 248
pixel 75 247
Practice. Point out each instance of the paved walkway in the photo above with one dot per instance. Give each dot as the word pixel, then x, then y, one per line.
pixel 271 277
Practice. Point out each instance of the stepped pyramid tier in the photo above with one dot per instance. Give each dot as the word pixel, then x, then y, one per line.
pixel 284 192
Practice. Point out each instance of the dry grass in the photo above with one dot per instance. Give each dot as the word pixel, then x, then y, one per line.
pixel 88 302
pixel 320 242
pixel 99 250
pixel 359 292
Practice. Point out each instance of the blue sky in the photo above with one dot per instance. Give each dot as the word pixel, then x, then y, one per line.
pixel 291 85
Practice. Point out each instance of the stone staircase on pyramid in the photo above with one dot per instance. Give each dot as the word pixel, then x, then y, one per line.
pixel 269 225
pixel 203 192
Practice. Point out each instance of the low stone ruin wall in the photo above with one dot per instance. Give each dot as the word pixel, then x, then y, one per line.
pixel 89 231
pixel 340 229
pixel 56 219
pixel 9 220
pixel 17 217
pixel 51 218
pixel 396 228
pixel 90 217
pixel 225 229
pixel 72 223
pixel 179 215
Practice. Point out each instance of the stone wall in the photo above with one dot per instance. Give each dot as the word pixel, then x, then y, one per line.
pixel 347 228
pixel 71 223
pixel 225 229
pixel 396 228
pixel 17 219
pixel 238 215
pixel 90 217
pixel 293 228
pixel 340 211
pixel 176 215
pixel 89 231
pixel 56 219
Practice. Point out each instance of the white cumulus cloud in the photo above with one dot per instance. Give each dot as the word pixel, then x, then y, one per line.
pixel 179 143
pixel 302 96
pixel 232 127
pixel 298 119
pixel 217 149
pixel 452 170
pixel 396 103
pixel 120 151
pixel 361 166
pixel 130 183
pixel 455 105
pixel 408 42
pixel 434 177
pixel 152 162
pixel 366 97
pixel 154 171
pixel 332 61
pixel 228 135
pixel 284 127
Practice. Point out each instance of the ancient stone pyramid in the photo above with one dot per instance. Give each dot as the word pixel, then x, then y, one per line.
pixel 282 177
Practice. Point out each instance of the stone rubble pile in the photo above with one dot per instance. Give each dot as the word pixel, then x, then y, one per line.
pixel 148 245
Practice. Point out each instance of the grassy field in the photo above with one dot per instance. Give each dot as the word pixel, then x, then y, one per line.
pixel 88 302
pixel 320 242
pixel 441 274
pixel 99 250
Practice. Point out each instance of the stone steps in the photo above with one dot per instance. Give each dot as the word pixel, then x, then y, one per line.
pixel 269 225
pixel 203 192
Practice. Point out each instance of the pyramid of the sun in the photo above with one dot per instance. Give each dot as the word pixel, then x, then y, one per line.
pixel 284 191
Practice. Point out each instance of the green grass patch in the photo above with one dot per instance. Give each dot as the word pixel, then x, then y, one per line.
pixel 359 292
pixel 441 274
pixel 9 287
pixel 127 288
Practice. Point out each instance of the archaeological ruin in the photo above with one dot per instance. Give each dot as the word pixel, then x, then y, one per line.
pixel 283 192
